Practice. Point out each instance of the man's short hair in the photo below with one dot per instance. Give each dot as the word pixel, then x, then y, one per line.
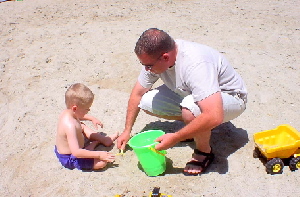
pixel 154 42
pixel 78 94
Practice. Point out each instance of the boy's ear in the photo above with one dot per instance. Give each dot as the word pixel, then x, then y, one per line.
pixel 74 108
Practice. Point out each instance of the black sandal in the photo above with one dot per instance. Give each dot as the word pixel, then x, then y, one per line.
pixel 209 157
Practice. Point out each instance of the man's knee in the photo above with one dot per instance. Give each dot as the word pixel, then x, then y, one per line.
pixel 148 112
pixel 187 115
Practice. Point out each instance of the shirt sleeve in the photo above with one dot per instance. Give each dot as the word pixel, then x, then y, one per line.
pixel 147 79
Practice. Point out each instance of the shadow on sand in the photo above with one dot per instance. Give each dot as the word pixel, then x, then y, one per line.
pixel 225 140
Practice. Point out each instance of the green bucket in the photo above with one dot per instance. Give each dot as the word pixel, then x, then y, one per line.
pixel 152 160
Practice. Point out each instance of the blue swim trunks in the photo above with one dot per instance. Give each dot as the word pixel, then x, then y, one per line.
pixel 71 162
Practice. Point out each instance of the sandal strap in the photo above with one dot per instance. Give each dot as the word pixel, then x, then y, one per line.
pixel 209 157
pixel 197 163
pixel 198 152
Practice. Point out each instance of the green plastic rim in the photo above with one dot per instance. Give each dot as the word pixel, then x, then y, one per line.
pixel 145 139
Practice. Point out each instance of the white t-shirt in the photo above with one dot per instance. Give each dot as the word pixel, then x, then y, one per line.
pixel 199 70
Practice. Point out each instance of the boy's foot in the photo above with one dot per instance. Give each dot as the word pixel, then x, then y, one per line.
pixel 114 136
pixel 108 140
pixel 199 163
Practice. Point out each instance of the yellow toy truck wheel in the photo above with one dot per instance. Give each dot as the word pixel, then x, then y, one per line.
pixel 294 163
pixel 257 153
pixel 274 166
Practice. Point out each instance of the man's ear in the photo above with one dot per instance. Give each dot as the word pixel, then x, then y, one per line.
pixel 74 108
pixel 166 56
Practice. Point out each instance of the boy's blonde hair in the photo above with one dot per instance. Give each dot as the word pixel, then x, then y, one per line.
pixel 78 94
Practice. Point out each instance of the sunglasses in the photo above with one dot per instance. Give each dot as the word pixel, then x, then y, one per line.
pixel 149 66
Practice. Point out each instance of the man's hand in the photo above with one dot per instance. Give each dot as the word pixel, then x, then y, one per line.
pixel 166 141
pixel 122 140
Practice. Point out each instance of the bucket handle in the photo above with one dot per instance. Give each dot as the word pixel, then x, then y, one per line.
pixel 156 151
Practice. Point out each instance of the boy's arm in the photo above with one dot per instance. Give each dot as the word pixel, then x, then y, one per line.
pixel 74 145
pixel 94 120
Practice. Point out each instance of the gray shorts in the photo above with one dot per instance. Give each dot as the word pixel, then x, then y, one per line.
pixel 165 102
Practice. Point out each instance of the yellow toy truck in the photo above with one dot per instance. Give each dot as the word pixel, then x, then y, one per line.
pixel 278 146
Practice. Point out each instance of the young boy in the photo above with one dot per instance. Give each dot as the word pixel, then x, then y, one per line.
pixel 71 133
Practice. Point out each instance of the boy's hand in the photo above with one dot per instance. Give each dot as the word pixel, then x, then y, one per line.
pixel 106 156
pixel 94 120
pixel 97 122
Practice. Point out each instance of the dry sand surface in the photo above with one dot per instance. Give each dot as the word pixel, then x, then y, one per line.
pixel 48 45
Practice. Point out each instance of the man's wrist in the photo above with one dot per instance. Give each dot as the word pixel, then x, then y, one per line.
pixel 177 137
pixel 126 130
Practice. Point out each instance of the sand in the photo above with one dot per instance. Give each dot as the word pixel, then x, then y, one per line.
pixel 48 45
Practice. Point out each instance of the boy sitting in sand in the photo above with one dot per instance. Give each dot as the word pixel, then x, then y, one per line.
pixel 70 146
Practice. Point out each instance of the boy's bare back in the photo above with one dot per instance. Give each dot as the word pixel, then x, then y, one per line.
pixel 68 128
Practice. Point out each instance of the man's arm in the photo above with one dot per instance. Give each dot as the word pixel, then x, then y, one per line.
pixel 212 115
pixel 132 112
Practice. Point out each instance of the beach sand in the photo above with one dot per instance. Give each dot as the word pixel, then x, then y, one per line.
pixel 48 45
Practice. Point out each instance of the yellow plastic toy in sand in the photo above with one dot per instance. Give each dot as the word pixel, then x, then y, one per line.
pixel 121 153
pixel 154 193
pixel 274 145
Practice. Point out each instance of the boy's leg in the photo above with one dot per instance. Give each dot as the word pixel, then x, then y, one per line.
pixel 99 164
pixel 92 145
pixel 89 163
pixel 94 136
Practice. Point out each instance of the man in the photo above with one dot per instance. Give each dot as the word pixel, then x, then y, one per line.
pixel 200 88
